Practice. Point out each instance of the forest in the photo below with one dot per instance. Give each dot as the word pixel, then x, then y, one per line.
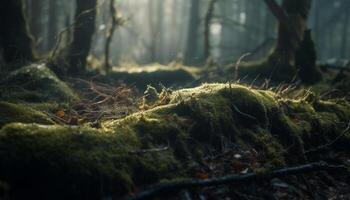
pixel 175 99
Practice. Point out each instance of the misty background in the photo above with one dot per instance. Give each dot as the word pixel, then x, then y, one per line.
pixel 166 30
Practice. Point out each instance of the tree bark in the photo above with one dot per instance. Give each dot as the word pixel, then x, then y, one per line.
pixel 292 17
pixel 345 34
pixel 208 17
pixel 82 37
pixel 110 33
pixel 15 39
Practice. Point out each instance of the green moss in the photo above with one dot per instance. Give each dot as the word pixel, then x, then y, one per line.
pixel 10 112
pixel 36 83
pixel 340 107
pixel 82 161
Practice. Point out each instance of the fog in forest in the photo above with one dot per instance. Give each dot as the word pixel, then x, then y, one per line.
pixel 175 99
pixel 166 30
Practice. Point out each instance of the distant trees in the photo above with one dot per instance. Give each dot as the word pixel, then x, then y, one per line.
pixel 15 39
pixel 191 54
pixel 345 31
pixel 52 25
pixel 110 32
pixel 155 19
pixel 84 29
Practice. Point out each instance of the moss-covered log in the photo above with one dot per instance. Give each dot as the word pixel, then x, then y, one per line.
pixel 58 162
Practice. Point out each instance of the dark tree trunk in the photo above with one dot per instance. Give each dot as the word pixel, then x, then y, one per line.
pixel 115 22
pixel 208 17
pixel 345 34
pixel 82 37
pixel 305 60
pixel 191 56
pixel 14 37
pixel 292 17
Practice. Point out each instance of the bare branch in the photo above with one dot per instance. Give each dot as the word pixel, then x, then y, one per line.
pixel 235 179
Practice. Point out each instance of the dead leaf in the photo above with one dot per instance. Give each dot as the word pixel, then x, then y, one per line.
pixel 60 113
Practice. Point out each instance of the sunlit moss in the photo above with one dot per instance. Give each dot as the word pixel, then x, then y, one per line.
pixel 119 156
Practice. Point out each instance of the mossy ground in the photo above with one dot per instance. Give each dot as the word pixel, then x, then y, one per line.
pixel 35 83
pixel 86 163
pixel 10 112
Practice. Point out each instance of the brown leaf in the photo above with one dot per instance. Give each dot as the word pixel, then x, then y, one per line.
pixel 60 113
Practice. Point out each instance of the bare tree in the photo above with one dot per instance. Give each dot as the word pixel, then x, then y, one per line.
pixel 110 33
pixel 82 37
pixel 207 23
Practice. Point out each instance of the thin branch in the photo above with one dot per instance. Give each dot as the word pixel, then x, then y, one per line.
pixel 235 179
pixel 244 114
pixel 238 63
pixel 154 150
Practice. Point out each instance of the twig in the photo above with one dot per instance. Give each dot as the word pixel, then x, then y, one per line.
pixel 235 179
pixel 238 63
pixel 150 150
pixel 244 114
pixel 56 119
pixel 319 148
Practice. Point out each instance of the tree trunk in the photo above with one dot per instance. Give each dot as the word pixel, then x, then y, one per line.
pixel 345 34
pixel 192 35
pixel 14 37
pixel 208 17
pixel 110 32
pixel 82 37
pixel 292 17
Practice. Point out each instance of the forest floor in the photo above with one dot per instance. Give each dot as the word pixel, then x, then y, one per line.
pixel 100 137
